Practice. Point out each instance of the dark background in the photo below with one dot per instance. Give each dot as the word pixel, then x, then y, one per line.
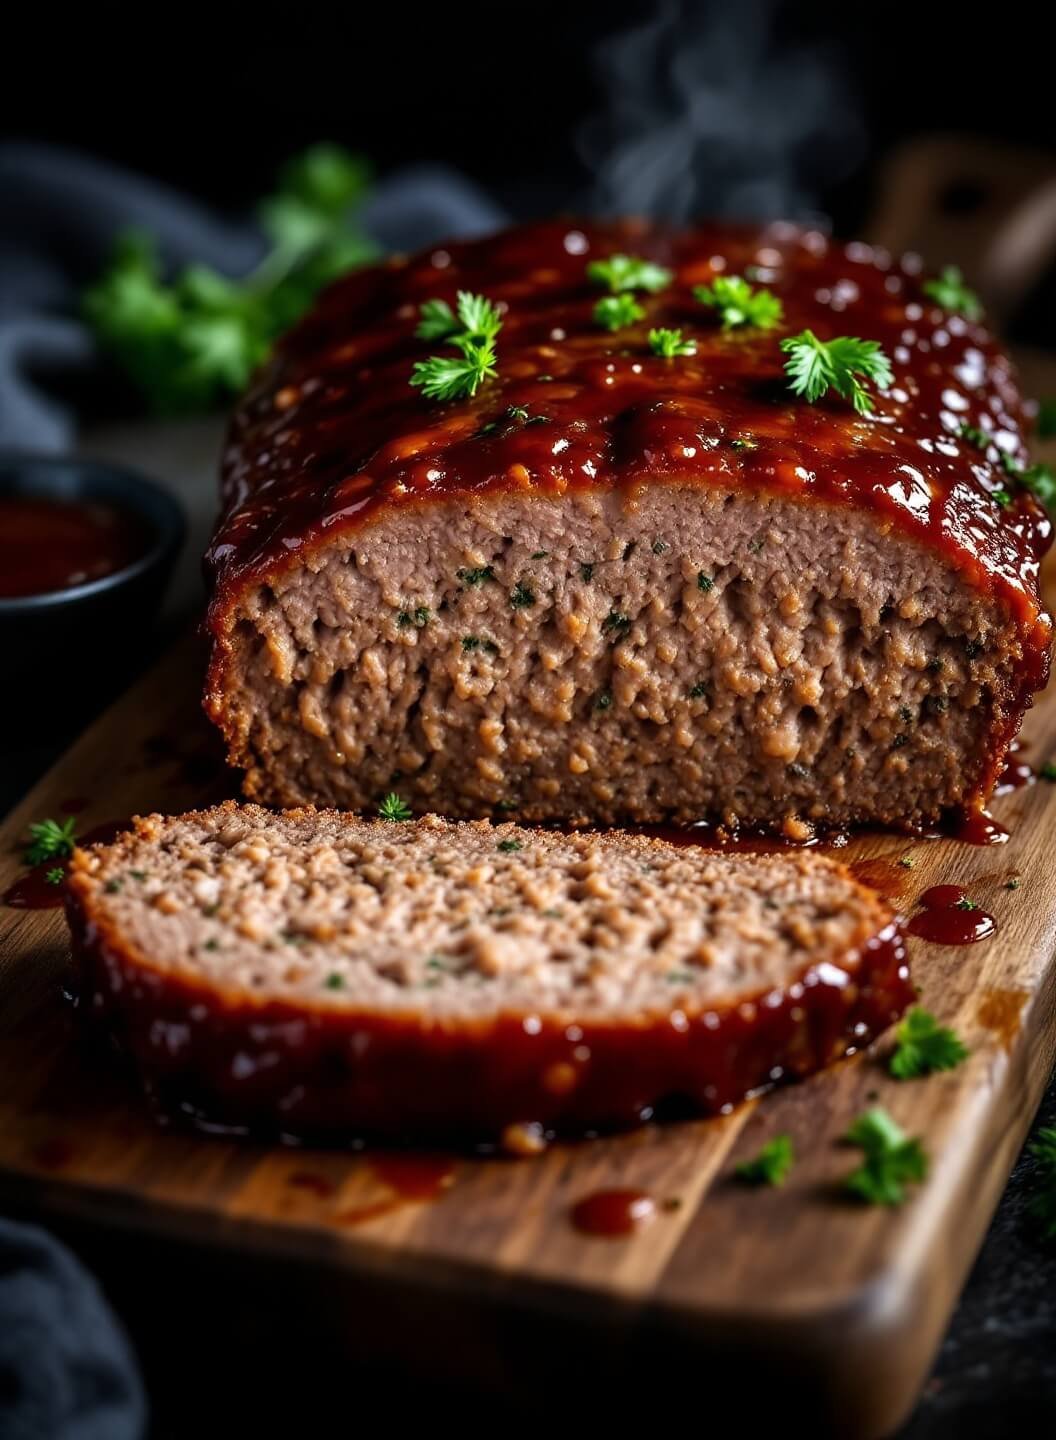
pixel 210 98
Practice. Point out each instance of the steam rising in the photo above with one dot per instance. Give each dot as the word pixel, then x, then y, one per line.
pixel 708 114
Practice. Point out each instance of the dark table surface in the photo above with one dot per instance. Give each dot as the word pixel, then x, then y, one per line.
pixel 995 1373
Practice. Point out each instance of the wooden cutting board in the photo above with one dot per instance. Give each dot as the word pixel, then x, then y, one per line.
pixel 860 1297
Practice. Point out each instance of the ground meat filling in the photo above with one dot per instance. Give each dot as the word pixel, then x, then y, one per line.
pixel 686 653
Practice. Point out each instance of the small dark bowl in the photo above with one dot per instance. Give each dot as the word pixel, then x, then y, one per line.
pixel 92 631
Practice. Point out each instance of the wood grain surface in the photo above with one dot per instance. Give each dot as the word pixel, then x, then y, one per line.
pixel 861 1294
pixel 481 1252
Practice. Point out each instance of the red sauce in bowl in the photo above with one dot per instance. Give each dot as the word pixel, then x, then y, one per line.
pixel 48 544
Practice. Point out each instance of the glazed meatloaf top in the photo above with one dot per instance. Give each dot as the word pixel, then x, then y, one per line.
pixel 333 431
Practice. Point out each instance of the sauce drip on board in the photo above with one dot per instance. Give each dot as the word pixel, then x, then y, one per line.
pixel 411 1178
pixel 34 891
pixel 945 919
pixel 48 545
pixel 614 1214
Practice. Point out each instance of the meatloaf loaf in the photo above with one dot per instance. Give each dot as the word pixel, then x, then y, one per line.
pixel 313 973
pixel 621 585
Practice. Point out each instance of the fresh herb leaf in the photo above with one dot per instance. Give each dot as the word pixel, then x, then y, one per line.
pixel 55 876
pixel 191 342
pixel 438 321
pixel 669 343
pixel 615 312
pixel 907 862
pixel 472 332
pixel 450 377
pixel 509 846
pixel 924 1046
pixel 816 365
pixel 1001 498
pixel 628 272
pixel 965 904
pixel 51 840
pixel 1040 480
pixel 335 981
pixel 891 1159
pixel 521 596
pixel 1043 1201
pixel 739 304
pixel 705 582
pixel 950 291
pixel 394 808
pixel 771 1165
pixel 477 576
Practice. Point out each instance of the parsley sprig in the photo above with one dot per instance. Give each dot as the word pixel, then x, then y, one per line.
pixel 471 328
pixel 738 303
pixel 669 343
pixel 628 272
pixel 1042 1204
pixel 615 312
pixel 924 1046
pixel 190 342
pixel 891 1161
pixel 51 840
pixel 771 1165
pixel 950 291
pixel 814 366
pixel 394 808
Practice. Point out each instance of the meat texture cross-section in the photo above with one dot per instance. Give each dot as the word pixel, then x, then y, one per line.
pixel 618 585
pixel 314 974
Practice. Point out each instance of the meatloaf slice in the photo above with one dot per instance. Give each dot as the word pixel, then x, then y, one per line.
pixel 617 586
pixel 315 973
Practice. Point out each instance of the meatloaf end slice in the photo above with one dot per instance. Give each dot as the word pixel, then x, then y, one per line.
pixel 316 974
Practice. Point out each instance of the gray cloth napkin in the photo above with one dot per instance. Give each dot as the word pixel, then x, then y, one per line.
pixel 61 212
pixel 66 1369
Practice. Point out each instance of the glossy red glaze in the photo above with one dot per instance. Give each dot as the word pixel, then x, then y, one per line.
pixel 332 431
pixel 977 827
pixel 943 921
pixel 48 544
pixel 614 1214
pixel 268 1067
pixel 33 891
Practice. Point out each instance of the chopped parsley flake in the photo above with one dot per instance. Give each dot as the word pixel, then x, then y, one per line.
pixel 628 272
pixel 1001 497
pixel 521 596
pixel 51 840
pixel 419 618
pixel 112 887
pixel 475 642
pixel 924 1046
pixel 1043 1201
pixel 616 622
pixel 965 904
pixel 477 576
pixel 1048 772
pixel 669 344
pixel 616 312
pixel 891 1159
pixel 699 689
pixel 1012 884
pixel 55 876
pixel 659 546
pixel 604 701
pixel 907 862
pixel 950 291
pixel 739 304
pixel 704 582
pixel 814 366
pixel 334 981
pixel 509 846
pixel 586 573
pixel 394 808
pixel 771 1165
